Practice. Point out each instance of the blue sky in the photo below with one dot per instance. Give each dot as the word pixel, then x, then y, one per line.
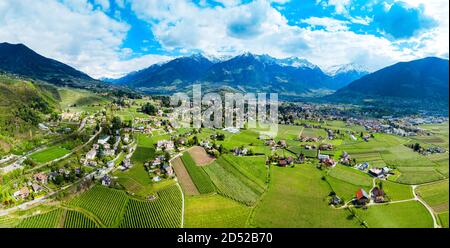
pixel 109 38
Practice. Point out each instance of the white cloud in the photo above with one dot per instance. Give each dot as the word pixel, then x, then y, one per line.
pixel 103 3
pixel 328 23
pixel 259 28
pixel 71 32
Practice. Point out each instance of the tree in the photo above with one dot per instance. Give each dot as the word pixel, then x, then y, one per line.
pixel 416 147
pixel 167 156
pixel 149 109
pixel 116 123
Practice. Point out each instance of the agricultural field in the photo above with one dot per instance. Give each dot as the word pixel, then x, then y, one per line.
pixel 231 183
pixel 183 177
pixel 199 155
pixel 297 197
pixel 107 205
pixel 435 195
pixel 75 219
pixel 49 154
pixel 51 219
pixel 397 191
pixel 198 175
pixel 214 211
pixel 253 167
pixel 163 212
pixel 396 215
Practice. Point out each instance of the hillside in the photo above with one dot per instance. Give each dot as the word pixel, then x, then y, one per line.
pixel 419 79
pixel 23 105
pixel 21 60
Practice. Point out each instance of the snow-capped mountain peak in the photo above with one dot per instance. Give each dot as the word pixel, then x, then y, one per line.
pixel 296 62
pixel 338 69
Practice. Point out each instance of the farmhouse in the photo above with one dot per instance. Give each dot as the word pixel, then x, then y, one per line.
pixel 36 187
pixel 329 162
pixel 168 169
pixel 322 157
pixel 362 166
pixel 378 195
pixel 378 172
pixel 361 197
pixel 325 147
pixel 40 177
pixel 22 193
pixel 240 152
pixel 166 145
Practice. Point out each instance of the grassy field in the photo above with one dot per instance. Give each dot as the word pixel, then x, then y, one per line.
pixel 80 100
pixel 198 175
pixel 351 175
pixel 396 191
pixel 214 211
pixel 297 198
pixel 48 154
pixel 232 184
pixel 443 219
pixel 436 195
pixel 253 167
pixel 397 215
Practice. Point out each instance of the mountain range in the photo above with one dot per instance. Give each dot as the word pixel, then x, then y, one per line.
pixel 246 72
pixel 422 80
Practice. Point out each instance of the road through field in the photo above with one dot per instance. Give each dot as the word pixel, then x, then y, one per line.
pixel 435 224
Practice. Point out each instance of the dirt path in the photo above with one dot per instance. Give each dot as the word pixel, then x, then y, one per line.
pixel 430 210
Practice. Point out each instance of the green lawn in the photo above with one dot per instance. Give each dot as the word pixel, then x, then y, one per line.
pixel 49 154
pixel 411 214
pixel 214 211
